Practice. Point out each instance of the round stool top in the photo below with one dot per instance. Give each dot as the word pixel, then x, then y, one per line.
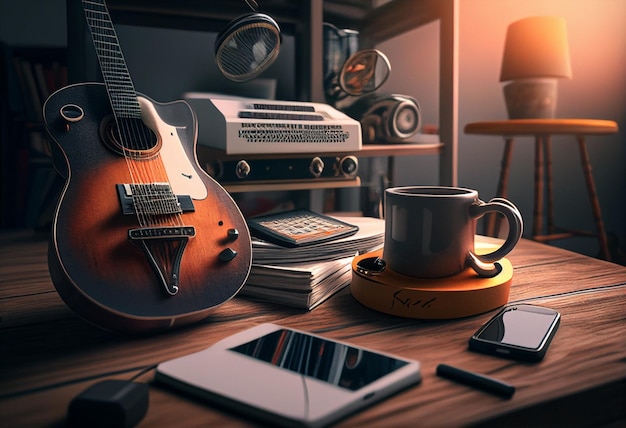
pixel 542 126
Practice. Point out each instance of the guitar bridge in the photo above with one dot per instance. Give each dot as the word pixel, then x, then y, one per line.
pixel 164 248
pixel 152 199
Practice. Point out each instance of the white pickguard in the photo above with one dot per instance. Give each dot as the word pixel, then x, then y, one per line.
pixel 180 171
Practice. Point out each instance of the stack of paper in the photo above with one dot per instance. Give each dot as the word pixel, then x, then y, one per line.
pixel 307 276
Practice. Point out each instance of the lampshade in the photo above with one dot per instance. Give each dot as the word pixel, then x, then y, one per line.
pixel 536 47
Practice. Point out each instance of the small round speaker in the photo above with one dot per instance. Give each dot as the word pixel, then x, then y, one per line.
pixel 404 120
pixel 386 118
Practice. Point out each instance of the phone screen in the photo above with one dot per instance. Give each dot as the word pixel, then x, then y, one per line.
pixel 520 327
pixel 335 363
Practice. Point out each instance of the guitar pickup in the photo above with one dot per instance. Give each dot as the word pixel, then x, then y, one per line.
pixel 127 194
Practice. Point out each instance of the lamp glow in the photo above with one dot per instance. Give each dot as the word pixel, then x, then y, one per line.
pixel 536 54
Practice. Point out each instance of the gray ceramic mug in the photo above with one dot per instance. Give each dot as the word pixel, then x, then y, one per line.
pixel 429 231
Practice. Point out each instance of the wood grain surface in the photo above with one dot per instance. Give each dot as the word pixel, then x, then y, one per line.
pixel 48 354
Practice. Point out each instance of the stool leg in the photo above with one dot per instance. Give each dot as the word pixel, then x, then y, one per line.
pixel 593 197
pixel 493 221
pixel 538 210
pixel 549 188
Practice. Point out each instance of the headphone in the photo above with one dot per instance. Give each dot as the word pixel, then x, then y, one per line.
pixel 248 45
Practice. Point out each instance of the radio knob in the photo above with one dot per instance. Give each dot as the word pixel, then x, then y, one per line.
pixel 349 165
pixel 242 170
pixel 316 167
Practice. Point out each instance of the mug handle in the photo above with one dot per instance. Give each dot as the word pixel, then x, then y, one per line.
pixel 486 264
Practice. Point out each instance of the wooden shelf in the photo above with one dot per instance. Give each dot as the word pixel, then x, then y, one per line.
pixel 308 184
pixel 211 16
pixel 367 151
pixel 208 154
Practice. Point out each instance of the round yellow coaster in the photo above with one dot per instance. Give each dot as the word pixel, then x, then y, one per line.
pixel 457 296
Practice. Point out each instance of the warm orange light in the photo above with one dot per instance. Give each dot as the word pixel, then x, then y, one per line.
pixel 536 47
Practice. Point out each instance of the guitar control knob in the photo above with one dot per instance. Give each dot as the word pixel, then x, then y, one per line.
pixel 242 170
pixel 316 167
pixel 233 234
pixel 227 255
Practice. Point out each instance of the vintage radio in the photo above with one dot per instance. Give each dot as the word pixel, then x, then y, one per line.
pixel 248 126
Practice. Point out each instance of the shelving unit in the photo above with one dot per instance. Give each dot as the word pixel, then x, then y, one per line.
pixel 28 182
pixel 303 20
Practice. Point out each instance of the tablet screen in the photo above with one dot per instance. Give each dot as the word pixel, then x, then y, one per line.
pixel 335 363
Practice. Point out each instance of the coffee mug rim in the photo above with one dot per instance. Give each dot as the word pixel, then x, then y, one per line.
pixel 409 191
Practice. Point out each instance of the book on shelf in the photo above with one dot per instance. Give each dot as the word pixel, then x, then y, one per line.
pixel 28 75
pixel 305 277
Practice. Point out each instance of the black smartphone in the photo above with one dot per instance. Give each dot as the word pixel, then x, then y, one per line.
pixel 521 332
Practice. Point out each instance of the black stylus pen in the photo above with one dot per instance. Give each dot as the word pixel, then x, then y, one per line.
pixel 476 380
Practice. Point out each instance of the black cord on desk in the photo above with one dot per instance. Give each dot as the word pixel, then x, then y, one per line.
pixel 144 371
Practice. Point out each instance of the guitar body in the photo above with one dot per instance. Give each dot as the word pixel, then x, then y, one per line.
pixel 103 276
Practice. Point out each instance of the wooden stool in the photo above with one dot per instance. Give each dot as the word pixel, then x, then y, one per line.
pixel 542 130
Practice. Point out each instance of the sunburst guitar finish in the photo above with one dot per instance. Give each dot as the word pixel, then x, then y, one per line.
pixel 142 238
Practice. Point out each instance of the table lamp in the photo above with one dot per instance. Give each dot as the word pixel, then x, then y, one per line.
pixel 536 54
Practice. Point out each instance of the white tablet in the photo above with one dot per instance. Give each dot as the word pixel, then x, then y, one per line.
pixel 289 377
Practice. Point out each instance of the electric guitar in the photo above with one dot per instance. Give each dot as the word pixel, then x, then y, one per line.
pixel 142 238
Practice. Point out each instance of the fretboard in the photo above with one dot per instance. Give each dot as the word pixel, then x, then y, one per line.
pixel 112 63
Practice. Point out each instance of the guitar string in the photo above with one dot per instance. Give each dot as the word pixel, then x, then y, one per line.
pixel 109 69
pixel 154 201
pixel 132 128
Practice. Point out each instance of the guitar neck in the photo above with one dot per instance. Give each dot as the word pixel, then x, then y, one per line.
pixel 112 63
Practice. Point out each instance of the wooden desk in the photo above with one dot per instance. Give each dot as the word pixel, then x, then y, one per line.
pixel 542 130
pixel 47 355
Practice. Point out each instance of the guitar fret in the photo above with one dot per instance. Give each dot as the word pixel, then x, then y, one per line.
pixel 114 70
pixel 104 45
pixel 103 41
pixel 124 100
pixel 129 106
pixel 120 83
pixel 112 63
pixel 95 22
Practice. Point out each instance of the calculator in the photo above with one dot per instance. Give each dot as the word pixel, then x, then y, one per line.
pixel 299 228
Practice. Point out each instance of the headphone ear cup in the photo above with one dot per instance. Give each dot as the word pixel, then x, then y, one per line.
pixel 405 118
pixel 247 46
pixel 370 128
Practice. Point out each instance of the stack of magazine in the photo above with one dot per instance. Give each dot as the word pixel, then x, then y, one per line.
pixel 307 276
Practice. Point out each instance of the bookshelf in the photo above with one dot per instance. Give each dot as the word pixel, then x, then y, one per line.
pixel 29 184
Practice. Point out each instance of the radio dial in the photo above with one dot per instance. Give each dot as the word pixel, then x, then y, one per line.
pixel 349 165
pixel 316 167
pixel 346 166
pixel 242 170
